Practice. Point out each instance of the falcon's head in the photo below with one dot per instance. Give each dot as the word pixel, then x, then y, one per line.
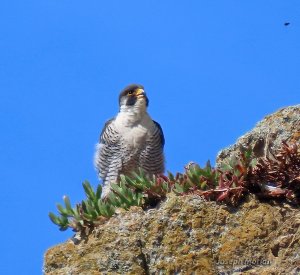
pixel 133 97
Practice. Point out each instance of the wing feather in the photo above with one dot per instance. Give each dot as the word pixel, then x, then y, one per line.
pixel 107 151
pixel 161 134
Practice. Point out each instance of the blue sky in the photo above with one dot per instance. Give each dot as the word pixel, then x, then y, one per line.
pixel 211 69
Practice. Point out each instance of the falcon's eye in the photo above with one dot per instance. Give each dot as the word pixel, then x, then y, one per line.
pixel 130 92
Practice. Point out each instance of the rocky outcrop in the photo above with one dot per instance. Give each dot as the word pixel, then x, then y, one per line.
pixel 188 235
pixel 267 136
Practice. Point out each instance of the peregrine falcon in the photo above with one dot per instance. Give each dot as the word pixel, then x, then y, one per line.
pixel 129 141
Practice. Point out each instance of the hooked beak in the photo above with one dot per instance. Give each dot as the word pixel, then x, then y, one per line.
pixel 140 93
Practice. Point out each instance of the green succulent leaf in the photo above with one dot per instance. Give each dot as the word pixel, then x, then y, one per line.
pixel 99 192
pixel 68 204
pixel 89 190
pixel 62 210
pixel 55 219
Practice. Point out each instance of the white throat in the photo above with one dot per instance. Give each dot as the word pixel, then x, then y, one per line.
pixel 132 115
pixel 134 125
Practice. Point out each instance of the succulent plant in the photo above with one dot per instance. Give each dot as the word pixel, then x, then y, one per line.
pixel 274 177
pixel 279 175
pixel 86 213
